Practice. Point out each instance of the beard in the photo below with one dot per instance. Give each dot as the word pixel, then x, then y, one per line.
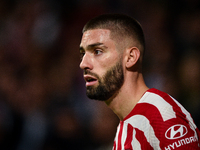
pixel 109 84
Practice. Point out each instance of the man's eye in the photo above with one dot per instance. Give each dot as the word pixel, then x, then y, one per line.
pixel 82 54
pixel 97 51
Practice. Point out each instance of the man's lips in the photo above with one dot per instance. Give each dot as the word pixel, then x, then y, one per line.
pixel 90 80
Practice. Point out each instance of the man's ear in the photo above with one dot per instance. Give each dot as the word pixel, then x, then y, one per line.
pixel 133 55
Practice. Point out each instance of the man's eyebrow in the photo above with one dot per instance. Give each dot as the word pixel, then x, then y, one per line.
pixel 91 46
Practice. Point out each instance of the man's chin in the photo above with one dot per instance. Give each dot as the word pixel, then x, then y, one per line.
pixel 94 95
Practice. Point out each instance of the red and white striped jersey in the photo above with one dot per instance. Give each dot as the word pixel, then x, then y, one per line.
pixel 157 122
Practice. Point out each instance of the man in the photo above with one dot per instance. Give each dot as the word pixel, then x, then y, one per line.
pixel 112 49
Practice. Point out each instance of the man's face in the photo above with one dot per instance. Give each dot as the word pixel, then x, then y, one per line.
pixel 101 63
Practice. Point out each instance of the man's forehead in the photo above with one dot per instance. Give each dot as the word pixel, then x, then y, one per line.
pixel 95 35
pixel 97 31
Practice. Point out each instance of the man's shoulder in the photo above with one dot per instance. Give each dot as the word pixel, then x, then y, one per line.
pixel 160 100
pixel 157 104
pixel 153 93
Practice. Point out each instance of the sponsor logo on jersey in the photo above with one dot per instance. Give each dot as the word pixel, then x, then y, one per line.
pixel 181 142
pixel 176 131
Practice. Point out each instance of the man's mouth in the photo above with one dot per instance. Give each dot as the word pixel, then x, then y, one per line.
pixel 90 80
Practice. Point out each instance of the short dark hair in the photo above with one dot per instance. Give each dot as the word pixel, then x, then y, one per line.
pixel 120 25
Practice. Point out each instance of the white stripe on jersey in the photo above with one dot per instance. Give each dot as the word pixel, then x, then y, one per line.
pixel 116 136
pixel 135 142
pixel 160 103
pixel 145 127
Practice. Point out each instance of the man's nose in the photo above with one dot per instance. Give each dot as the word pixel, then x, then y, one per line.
pixel 86 62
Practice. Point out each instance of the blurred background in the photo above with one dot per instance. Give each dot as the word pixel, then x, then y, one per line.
pixel 42 93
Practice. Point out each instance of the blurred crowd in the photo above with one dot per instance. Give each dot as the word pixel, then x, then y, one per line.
pixel 43 105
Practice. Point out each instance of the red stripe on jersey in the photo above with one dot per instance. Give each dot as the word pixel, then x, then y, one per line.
pixel 119 146
pixel 145 145
pixel 142 109
pixel 155 120
pixel 129 138
pixel 114 146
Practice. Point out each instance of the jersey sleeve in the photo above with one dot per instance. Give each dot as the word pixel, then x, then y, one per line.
pixel 157 122
pixel 174 126
pixel 176 134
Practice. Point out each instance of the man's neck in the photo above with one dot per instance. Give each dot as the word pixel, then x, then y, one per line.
pixel 128 96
